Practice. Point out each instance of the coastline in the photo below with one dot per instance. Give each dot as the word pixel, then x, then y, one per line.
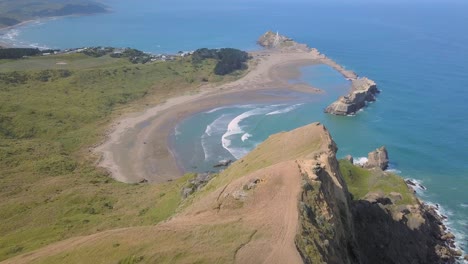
pixel 29 21
pixel 137 148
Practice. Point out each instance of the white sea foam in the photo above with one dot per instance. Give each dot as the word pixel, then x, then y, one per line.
pixel 206 152
pixel 177 131
pixel 10 35
pixel 394 171
pixel 234 128
pixel 464 205
pixel 245 137
pixel 360 161
pixel 226 107
pixel 215 109
pixel 460 238
pixel 418 187
pixel 217 127
pixel 285 110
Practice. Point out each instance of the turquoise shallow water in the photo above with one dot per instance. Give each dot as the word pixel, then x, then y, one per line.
pixel 416 52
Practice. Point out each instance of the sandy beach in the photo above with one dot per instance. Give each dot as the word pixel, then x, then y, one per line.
pixel 137 148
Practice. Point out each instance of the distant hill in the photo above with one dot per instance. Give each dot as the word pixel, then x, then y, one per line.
pixel 13 12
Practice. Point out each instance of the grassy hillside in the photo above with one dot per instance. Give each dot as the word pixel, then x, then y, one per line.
pixel 13 12
pixel 52 109
pixel 225 222
pixel 361 181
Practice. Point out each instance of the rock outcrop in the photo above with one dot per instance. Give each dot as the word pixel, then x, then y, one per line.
pixel 363 90
pixel 377 159
pixel 222 163
pixel 271 40
pixel 274 40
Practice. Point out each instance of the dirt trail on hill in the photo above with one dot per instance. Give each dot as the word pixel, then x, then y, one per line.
pixel 268 211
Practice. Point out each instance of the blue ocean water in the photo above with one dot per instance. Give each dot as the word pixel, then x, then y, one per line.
pixel 416 52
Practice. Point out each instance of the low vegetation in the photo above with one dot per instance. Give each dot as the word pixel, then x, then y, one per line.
pixel 17 53
pixel 228 60
pixel 361 181
pixel 50 115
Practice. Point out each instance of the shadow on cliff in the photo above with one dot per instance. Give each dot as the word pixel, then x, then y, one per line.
pixel 381 239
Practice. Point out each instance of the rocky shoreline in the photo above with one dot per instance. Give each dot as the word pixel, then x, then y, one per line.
pixel 421 224
pixel 363 89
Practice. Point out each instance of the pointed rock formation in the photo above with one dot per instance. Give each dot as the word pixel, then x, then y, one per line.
pixel 377 159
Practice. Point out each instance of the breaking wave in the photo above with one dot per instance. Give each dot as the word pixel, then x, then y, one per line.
pixel 285 110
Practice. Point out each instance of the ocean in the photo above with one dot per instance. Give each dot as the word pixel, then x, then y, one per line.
pixel 416 52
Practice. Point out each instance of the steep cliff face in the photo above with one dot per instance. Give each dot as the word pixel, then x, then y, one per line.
pixel 363 90
pixel 401 234
pixel 326 232
pixel 391 224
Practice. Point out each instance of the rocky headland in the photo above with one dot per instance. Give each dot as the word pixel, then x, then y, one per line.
pixel 363 90
pixel 391 220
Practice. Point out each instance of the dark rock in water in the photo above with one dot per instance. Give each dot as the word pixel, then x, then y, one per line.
pixel 363 90
pixel 223 163
pixel 410 182
pixel 377 159
pixel 414 185
pixel 466 258
pixel 349 158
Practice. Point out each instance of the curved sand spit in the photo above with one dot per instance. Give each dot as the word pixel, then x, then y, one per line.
pixel 137 147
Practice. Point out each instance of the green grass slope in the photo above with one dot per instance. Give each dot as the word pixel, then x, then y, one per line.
pixel 361 181
pixel 50 114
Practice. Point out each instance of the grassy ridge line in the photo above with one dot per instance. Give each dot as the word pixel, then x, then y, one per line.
pixel 49 187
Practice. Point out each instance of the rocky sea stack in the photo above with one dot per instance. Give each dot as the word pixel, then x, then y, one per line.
pixel 377 159
pixel 363 90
